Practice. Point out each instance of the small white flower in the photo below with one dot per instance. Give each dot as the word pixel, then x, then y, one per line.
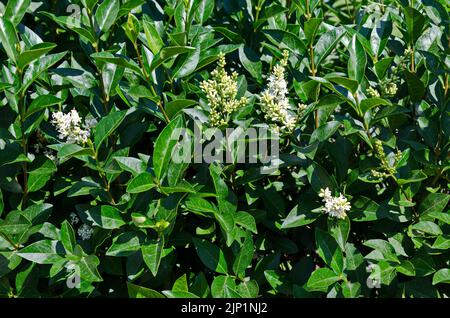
pixel 68 126
pixel 334 206
pixel 302 107
pixel 50 155
pixel 37 147
pixel 325 193
pixel 274 100
pixel 73 218
pixel 85 232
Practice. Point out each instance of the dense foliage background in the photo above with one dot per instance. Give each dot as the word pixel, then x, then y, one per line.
pixel 372 82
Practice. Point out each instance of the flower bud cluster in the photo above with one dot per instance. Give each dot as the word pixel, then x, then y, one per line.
pixel 221 91
pixel 274 101
pixel 389 89
pixel 386 168
pixel 372 92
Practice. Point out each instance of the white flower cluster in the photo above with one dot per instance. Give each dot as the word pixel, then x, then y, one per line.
pixel 334 206
pixel 37 147
pixel 85 232
pixel 221 92
pixel 69 126
pixel 274 100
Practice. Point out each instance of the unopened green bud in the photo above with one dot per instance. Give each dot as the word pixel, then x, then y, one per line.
pixel 162 225
pixel 372 92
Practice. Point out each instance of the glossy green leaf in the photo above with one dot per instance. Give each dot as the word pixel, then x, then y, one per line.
pixel 164 145
pixel 42 252
pixel 167 53
pixel 42 170
pixel 187 64
pixel 327 43
pixel 8 38
pixel 369 103
pixel 339 229
pixel 204 10
pixel 107 125
pixel 175 106
pixel 415 86
pixel 321 279
pixel 246 220
pixel 154 41
pixel 16 9
pixel 442 276
pixel 248 289
pixel 125 244
pixel 357 60
pixel 135 291
pixel 329 251
pixel 68 237
pixel 311 27
pixel 35 52
pixel 244 257
pixel 254 67
pixel 414 23
pixel 41 103
pixel 211 256
pixel 106 217
pixel 434 202
pixel 325 131
pixel 106 14
pixel 152 253
pixel 285 40
pixel 427 227
pixel 37 67
pixel 380 36
pixel 224 287
pixel 141 183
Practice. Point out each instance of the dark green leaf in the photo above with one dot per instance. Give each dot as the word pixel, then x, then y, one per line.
pixel 106 217
pixel 41 252
pixel 68 237
pixel 135 291
pixel 35 52
pixel 357 60
pixel 106 14
pixel 8 38
pixel 329 251
pixel 107 125
pixel 141 183
pixel 164 145
pixel 152 253
pixel 321 279
pixel 211 256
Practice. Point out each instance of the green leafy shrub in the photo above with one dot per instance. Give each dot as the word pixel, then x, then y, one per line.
pixel 92 202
